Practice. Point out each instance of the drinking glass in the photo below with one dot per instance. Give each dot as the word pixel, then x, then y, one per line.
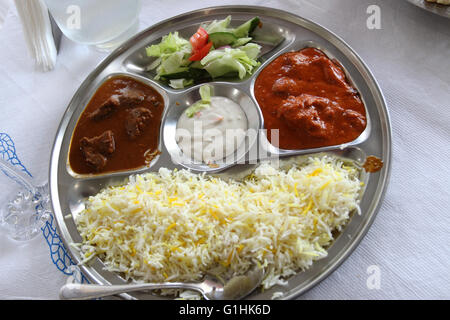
pixel 104 24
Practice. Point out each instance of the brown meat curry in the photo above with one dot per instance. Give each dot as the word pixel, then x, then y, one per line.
pixel 119 128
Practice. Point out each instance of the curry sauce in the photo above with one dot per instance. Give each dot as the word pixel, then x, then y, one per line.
pixel 119 128
pixel 308 99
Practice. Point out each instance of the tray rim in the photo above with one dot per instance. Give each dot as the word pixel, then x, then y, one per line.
pixel 380 190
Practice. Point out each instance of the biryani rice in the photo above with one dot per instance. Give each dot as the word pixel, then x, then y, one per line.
pixel 177 225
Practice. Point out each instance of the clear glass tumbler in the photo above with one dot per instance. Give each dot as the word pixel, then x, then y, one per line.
pixel 104 24
pixel 24 206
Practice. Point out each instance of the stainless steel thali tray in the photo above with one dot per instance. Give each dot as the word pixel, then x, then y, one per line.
pixel 68 191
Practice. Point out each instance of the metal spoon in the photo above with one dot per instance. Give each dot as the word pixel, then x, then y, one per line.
pixel 211 288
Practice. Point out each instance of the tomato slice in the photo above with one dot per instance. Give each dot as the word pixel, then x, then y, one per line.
pixel 201 53
pixel 199 39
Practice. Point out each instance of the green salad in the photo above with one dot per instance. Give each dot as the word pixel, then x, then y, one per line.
pixel 216 50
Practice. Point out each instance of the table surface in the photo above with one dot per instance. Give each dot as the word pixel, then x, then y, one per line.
pixel 407 247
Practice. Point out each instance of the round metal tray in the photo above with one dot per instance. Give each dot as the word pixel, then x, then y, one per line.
pixel 68 191
pixel 436 8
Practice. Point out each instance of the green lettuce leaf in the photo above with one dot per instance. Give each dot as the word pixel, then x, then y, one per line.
pixel 218 26
pixel 241 60
pixel 169 44
pixel 172 55
pixel 205 95
pixel 180 83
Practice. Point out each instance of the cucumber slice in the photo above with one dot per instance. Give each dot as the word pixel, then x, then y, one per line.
pixel 220 39
pixel 246 28
pixel 198 74
pixel 191 73
pixel 240 42
pixel 196 65
pixel 175 75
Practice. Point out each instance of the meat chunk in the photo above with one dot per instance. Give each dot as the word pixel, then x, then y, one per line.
pixel 96 149
pixel 94 159
pixel 126 98
pixel 129 97
pixel 106 109
pixel 136 121
pixel 333 74
pixel 313 65
pixel 299 58
pixel 305 113
pixel 355 119
pixel 284 85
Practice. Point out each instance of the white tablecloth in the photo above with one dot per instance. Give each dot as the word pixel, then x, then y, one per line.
pixel 409 243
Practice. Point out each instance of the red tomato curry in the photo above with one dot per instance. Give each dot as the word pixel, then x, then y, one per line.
pixel 307 97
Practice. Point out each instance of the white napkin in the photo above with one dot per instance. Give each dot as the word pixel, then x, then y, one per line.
pixel 4 6
pixel 38 34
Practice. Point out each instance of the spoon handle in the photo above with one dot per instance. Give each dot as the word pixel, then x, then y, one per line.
pixel 71 291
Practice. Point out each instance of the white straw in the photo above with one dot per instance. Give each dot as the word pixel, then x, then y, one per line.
pixel 38 32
